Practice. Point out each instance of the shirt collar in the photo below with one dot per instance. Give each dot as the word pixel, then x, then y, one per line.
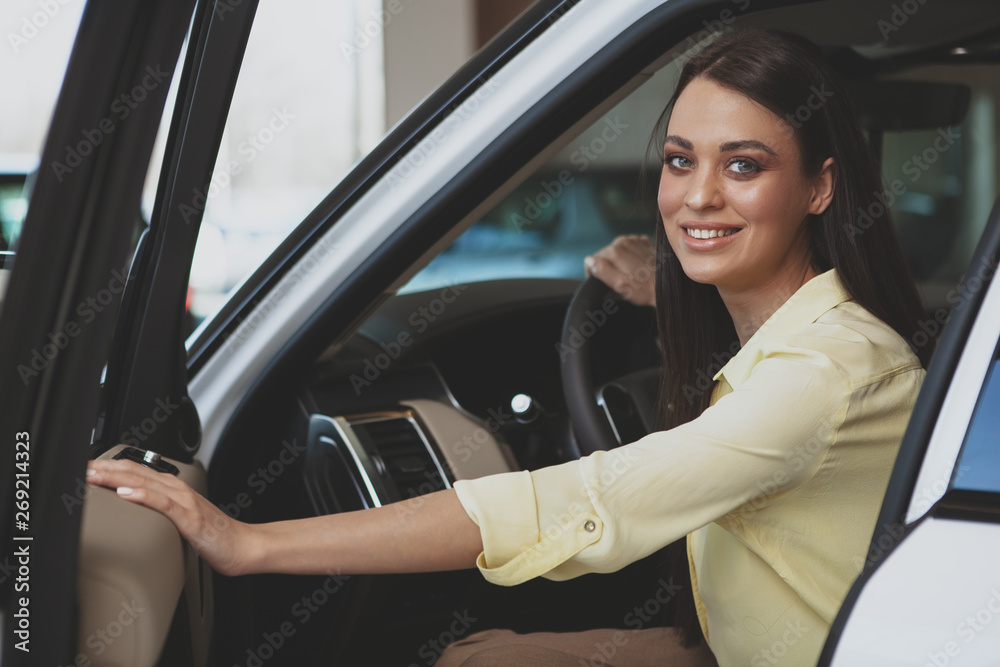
pixel 802 308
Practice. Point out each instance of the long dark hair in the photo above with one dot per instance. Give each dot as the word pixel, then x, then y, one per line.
pixel 855 235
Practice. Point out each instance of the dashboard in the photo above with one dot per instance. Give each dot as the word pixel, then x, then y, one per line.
pixel 424 393
pixel 421 396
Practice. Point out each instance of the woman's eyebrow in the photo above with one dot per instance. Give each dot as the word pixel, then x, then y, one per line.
pixel 680 141
pixel 745 144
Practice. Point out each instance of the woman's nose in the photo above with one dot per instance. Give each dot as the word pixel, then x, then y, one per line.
pixel 703 191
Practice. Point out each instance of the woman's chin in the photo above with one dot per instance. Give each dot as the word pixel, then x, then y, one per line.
pixel 700 273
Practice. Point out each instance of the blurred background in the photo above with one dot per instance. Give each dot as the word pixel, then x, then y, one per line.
pixel 322 82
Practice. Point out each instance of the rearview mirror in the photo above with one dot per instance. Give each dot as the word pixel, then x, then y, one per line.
pixel 909 105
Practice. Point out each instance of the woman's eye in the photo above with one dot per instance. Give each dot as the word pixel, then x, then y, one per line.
pixel 677 161
pixel 743 167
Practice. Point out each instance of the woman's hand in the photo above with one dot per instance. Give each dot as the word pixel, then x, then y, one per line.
pixel 628 266
pixel 223 542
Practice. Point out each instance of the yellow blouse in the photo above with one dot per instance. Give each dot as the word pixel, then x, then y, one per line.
pixel 777 484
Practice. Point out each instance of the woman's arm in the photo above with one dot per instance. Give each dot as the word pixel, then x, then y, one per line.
pixel 424 534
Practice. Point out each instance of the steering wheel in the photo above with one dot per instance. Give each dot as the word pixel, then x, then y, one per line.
pixel 619 410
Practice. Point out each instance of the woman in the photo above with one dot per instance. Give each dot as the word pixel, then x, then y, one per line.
pixel 776 475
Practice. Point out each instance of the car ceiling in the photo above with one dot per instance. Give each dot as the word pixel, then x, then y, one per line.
pixel 863 24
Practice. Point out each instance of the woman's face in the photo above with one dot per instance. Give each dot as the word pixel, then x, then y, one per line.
pixel 733 195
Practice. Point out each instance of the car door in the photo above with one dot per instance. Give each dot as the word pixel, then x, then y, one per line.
pixel 95 581
pixel 929 593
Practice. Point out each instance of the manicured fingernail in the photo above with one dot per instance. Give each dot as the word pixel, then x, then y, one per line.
pixel 588 262
pixel 91 473
pixel 125 491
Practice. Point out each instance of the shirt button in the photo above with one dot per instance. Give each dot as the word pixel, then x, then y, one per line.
pixel 590 526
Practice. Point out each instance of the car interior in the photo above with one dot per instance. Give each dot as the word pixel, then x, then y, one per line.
pixel 459 373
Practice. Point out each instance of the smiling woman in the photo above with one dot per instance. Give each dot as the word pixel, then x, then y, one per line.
pixel 735 209
pixel 775 476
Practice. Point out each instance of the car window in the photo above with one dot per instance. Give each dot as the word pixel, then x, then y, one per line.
pixel 584 196
pixel 13 206
pixel 978 467
pixel 309 102
pixel 941 183
pixel 38 39
pixel 38 60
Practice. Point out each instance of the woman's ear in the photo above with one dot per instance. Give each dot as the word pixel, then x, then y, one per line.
pixel 823 184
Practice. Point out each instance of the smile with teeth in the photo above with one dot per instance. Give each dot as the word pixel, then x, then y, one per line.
pixel 709 233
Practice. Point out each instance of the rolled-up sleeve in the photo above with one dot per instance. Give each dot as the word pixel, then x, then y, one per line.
pixel 600 513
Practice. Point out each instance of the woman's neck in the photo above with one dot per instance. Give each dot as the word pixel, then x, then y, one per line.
pixel 751 306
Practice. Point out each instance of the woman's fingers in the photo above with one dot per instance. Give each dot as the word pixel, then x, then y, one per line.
pixel 216 536
pixel 628 266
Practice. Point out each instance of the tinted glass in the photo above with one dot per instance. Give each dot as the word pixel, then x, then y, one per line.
pixel 978 467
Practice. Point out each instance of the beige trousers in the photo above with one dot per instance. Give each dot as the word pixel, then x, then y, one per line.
pixel 656 647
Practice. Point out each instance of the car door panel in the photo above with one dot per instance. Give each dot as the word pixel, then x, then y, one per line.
pixel 133 569
pixel 75 242
pixel 929 611
pixel 912 602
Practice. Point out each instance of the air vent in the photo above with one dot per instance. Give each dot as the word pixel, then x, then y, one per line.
pixel 402 455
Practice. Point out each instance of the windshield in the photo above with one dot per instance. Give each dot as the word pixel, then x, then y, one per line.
pixel 588 193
